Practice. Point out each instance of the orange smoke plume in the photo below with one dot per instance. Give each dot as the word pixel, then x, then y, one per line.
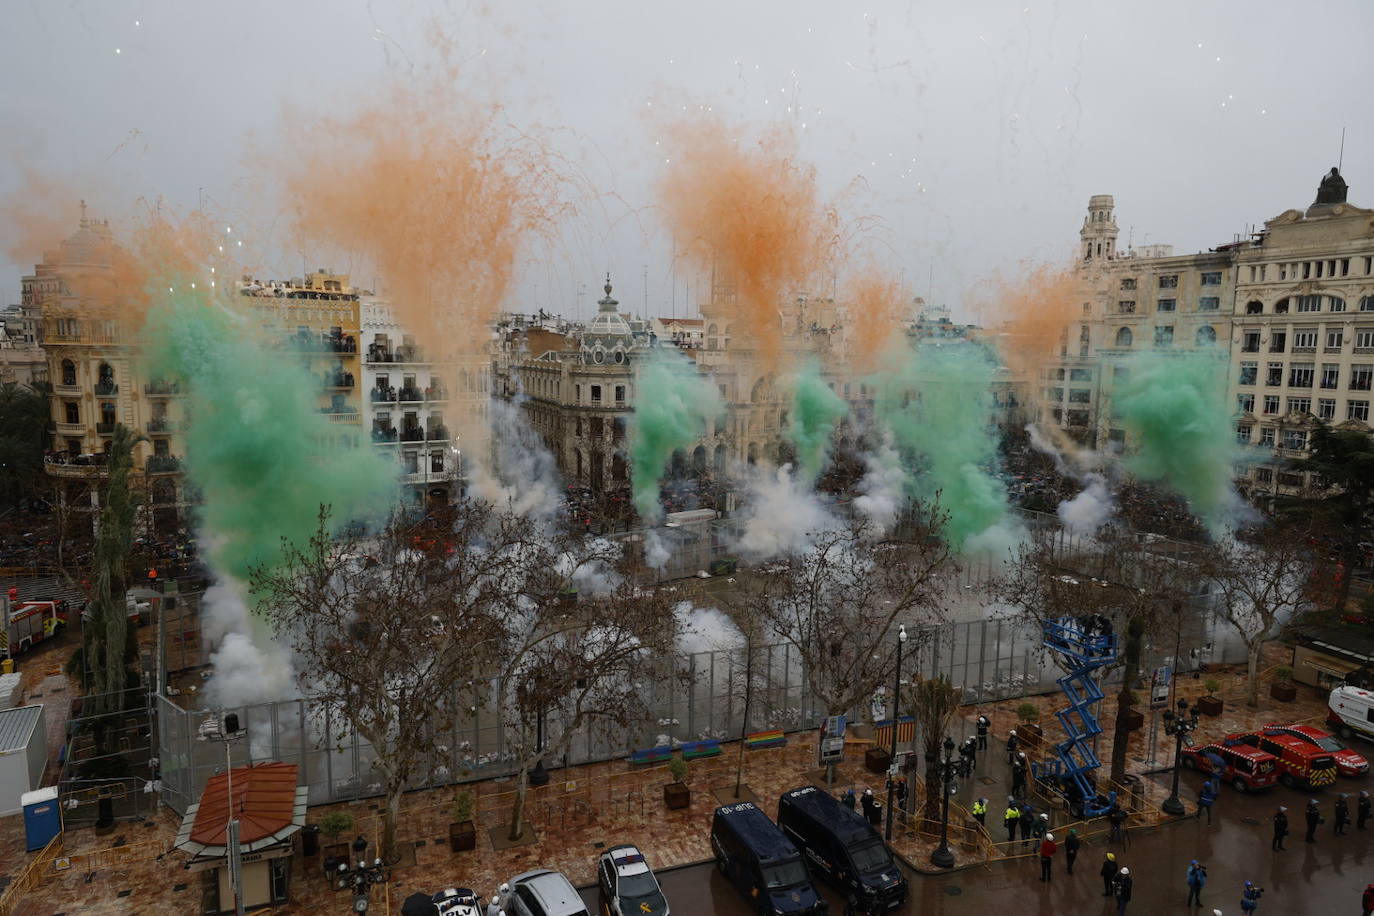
pixel 750 214
pixel 434 195
pixel 1036 309
pixel 876 315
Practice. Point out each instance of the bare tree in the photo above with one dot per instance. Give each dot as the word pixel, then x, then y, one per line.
pixel 839 602
pixel 385 631
pixel 1262 575
pixel 934 703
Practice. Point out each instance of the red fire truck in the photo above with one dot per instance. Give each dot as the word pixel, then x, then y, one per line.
pixel 1244 767
pixel 29 622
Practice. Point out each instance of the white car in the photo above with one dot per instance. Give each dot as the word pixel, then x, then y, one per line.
pixel 1350 711
pixel 542 892
pixel 628 885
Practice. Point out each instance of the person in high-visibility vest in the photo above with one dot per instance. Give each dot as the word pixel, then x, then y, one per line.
pixel 1010 817
pixel 980 810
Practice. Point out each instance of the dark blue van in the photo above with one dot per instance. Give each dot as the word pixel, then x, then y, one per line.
pixel 768 870
pixel 842 847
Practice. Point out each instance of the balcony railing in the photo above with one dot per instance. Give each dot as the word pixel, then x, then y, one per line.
pixel 163 464
pixel 412 394
pixel 437 433
pixel 384 435
pixel 105 387
pixel 339 380
pixel 162 389
pixel 436 394
pixel 383 395
pixel 104 429
pixel 159 425
pixel 322 343
pixel 339 409
pixel 62 464
pixel 413 435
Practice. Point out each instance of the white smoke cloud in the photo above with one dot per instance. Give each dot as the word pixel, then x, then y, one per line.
pixel 704 629
pixel 1041 443
pixel 783 517
pixel 249 666
pixel 656 552
pixel 881 489
pixel 1090 509
pixel 522 475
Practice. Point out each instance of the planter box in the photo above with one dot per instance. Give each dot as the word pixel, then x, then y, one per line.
pixel 1030 733
pixel 462 836
pixel 333 855
pixel 1135 720
pixel 1210 706
pixel 676 795
pixel 1283 691
pixel 877 760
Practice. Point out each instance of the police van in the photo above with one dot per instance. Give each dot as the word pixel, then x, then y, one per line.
pixel 762 863
pixel 1350 711
pixel 842 847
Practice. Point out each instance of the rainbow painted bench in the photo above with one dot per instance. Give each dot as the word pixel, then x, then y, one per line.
pixel 760 740
pixel 692 750
pixel 648 755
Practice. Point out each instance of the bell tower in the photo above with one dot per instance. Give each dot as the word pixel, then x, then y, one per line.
pixel 1099 229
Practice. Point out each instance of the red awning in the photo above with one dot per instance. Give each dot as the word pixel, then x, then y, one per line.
pixel 264 803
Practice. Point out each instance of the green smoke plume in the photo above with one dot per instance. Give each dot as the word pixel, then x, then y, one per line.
pixel 1174 408
pixel 672 404
pixel 815 410
pixel 257 447
pixel 937 403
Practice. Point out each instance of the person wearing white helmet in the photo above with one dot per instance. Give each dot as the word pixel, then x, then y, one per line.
pixel 494 908
pixel 1048 847
pixel 1123 890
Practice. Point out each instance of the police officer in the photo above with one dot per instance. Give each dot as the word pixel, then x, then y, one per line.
pixel 980 810
pixel 1249 898
pixel 494 907
pixel 1342 813
pixel 1026 823
pixel 1011 746
pixel 1108 873
pixel 969 752
pixel 849 800
pixel 871 807
pixel 1124 883
pixel 1280 828
pixel 1010 817
pixel 1071 844
pixel 1018 775
pixel 983 725
pixel 1362 810
pixel 1314 817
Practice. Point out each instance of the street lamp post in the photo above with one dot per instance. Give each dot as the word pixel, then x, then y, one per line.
pixel 943 857
pixel 226 728
pixel 896 700
pixel 1179 725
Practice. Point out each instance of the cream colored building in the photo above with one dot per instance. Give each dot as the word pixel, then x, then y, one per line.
pixel 1302 341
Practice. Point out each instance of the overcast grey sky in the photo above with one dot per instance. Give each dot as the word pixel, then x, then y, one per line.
pixel 979 129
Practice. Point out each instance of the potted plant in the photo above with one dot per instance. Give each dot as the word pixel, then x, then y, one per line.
pixel 1211 704
pixel 877 759
pixel 1135 719
pixel 462 832
pixel 332 824
pixel 1029 730
pixel 676 794
pixel 1282 688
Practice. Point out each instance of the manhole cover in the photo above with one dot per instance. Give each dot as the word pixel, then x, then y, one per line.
pixel 987 780
pixel 1249 820
pixel 598 845
pixel 953 891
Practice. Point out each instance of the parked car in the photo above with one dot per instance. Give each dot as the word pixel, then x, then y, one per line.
pixel 842 847
pixel 628 885
pixel 1350 711
pixel 1245 768
pixel 456 901
pixel 1299 763
pixel 542 892
pixel 762 863
pixel 1348 762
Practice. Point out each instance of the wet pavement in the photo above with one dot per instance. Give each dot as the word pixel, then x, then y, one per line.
pixel 1326 877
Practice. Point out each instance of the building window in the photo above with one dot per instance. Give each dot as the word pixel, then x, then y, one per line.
pixel 68 372
pixel 1243 434
pixel 1128 282
pixel 1309 303
pixel 1364 340
pixel 1123 337
pixel 1245 403
pixel 1166 305
pixel 1305 340
pixel 577 394
pixel 1271 404
pixel 1326 408
pixel 1278 341
pixel 1331 375
pixel 1357 410
pixel 1335 303
pixel 1168 281
pixel 73 412
pixel 1266 437
pixel 1080 375
pixel 1126 307
pixel 1274 376
pixel 619 395
pixel 1299 405
pixel 1209 304
pixel 1254 307
pixel 1248 372
pixel 1281 307
pixel 1079 395
pixel 1206 335
pixel 1121 374
pixel 1211 278
pixel 1361 376
pixel 1164 336
pixel 1367 302
pixel 1295 439
pixel 1335 339
pixel 1055 394
pixel 1300 375
pixel 1251 344
pixel 596 394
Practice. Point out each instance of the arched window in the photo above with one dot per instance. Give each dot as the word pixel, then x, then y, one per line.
pixel 679 465
pixel 1206 335
pixel 68 372
pixel 1123 337
pixel 699 459
pixel 720 459
pixel 1254 307
pixel 753 453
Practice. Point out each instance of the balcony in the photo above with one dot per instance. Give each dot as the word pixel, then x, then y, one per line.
pixel 306 342
pixel 379 355
pixel 60 464
pixel 162 389
pixel 383 395
pixel 158 425
pixel 342 415
pixel 163 464
pixel 70 429
pixel 437 433
pixel 339 380
pixel 105 429
pixel 436 394
pixel 412 394
pixel 387 434
pixel 69 388
pixel 413 435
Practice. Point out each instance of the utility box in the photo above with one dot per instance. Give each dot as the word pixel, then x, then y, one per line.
pixel 23 754
pixel 42 816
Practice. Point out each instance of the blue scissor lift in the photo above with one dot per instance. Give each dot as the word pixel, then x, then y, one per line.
pixel 1085 651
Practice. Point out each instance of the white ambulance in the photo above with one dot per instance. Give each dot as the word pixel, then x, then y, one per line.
pixel 1350 711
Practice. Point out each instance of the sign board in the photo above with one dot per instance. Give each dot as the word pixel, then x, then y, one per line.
pixel 1159 685
pixel 831 740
